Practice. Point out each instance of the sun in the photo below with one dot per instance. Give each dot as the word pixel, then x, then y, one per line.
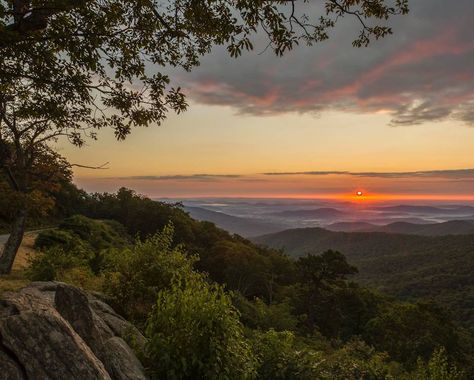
pixel 359 193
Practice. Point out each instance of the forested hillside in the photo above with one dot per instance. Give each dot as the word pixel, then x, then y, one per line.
pixel 452 227
pixel 407 266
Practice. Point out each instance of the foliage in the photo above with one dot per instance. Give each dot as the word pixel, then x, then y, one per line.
pixel 52 263
pixel 409 331
pixel 194 333
pixel 280 358
pixel 356 360
pixel 59 237
pixel 37 188
pixel 78 242
pixel 97 233
pixel 438 368
pixel 136 275
pixel 257 314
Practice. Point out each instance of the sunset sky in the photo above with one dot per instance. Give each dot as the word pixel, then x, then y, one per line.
pixel 395 119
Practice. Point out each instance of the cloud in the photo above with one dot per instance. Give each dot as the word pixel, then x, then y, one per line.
pixel 447 174
pixel 193 177
pixel 423 73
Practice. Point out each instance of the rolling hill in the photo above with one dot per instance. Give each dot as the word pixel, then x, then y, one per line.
pixel 323 213
pixel 441 210
pixel 454 227
pixel 406 266
pixel 245 227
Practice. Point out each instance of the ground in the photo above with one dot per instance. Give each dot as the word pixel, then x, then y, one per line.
pixel 16 279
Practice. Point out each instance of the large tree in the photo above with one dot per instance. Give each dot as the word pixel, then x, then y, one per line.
pixel 71 67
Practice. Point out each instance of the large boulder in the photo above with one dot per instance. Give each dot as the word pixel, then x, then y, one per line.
pixel 51 330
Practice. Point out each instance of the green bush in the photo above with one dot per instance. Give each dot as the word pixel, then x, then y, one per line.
pixel 52 263
pixel 135 275
pixel 58 238
pixel 194 332
pixel 438 368
pixel 279 357
pixel 257 314
pixel 357 361
pixel 98 234
pixel 85 238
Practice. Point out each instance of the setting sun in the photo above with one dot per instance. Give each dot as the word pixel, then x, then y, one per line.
pixel 359 193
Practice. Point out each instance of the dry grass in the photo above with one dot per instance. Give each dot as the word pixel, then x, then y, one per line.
pixel 17 279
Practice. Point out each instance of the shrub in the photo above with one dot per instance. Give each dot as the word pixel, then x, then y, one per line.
pixel 257 314
pixel 356 360
pixel 438 368
pixel 136 275
pixel 52 263
pixel 279 357
pixel 194 333
pixel 54 238
pixel 98 234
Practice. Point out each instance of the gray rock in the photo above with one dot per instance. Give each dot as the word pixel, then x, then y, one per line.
pixel 49 348
pixel 122 364
pixel 56 331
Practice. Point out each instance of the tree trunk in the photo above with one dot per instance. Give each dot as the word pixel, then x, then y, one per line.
pixel 13 243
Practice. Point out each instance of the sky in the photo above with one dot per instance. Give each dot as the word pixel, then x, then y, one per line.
pixel 394 120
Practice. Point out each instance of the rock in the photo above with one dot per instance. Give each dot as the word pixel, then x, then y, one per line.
pixel 122 364
pixel 56 331
pixel 10 370
pixel 49 348
pixel 117 324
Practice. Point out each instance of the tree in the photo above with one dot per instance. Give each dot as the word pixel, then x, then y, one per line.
pixel 71 67
pixel 29 183
pixel 408 332
pixel 322 286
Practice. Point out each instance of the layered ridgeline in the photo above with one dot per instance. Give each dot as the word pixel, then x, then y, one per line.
pixel 246 227
pixel 214 305
pixel 407 266
pixel 452 227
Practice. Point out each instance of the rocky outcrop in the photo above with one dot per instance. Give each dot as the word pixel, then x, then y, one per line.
pixel 51 330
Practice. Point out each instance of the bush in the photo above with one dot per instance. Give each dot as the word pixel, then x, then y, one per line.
pixel 438 368
pixel 279 357
pixel 356 360
pixel 99 234
pixel 194 333
pixel 54 238
pixel 257 314
pixel 135 275
pixel 52 263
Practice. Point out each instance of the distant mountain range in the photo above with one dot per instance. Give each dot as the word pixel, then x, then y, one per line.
pixel 406 266
pixel 453 227
pixel 441 210
pixel 245 227
pixel 319 213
